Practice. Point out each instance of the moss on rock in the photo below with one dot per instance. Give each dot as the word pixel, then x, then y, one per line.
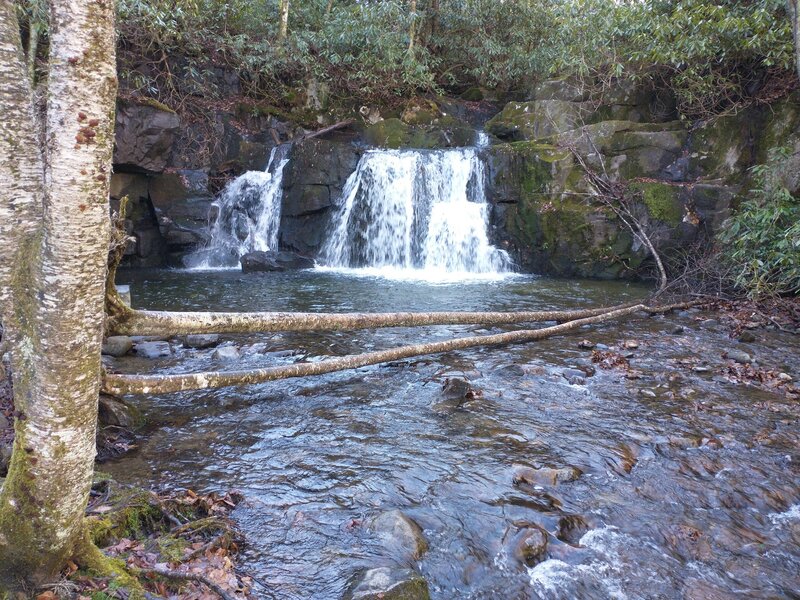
pixel 662 201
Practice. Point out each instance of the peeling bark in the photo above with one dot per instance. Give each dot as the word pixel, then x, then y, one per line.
pixel 53 286
pixel 119 385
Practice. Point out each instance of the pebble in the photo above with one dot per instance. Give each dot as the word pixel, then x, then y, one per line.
pixel 647 393
pixel 677 330
pixel 631 344
pixel 586 344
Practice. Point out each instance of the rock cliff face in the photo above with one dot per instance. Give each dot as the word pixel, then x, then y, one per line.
pixel 545 212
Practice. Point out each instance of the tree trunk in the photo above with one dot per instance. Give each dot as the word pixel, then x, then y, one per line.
pixel 412 27
pixel 118 385
pixel 52 288
pixel 142 322
pixel 794 15
pixel 284 28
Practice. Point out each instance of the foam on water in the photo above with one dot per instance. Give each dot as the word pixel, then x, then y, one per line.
pixel 411 214
pixel 248 216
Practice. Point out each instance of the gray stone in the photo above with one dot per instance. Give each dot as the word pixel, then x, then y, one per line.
pixel 400 533
pixel 5 458
pixel 385 583
pixel 738 356
pixel 226 353
pixel 117 345
pixel 259 261
pixel 152 349
pixel 144 135
pixel 571 373
pixel 202 340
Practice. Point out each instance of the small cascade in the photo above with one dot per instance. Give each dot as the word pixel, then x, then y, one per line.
pixel 248 216
pixel 415 210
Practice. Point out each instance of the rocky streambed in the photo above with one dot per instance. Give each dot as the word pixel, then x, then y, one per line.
pixel 642 459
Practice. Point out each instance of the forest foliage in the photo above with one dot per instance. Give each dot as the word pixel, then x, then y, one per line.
pixel 711 53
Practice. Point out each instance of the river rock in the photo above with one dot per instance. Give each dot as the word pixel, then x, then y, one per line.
pixel 117 345
pixel 385 583
pixel 5 457
pixel 115 412
pixel 545 475
pixel 259 261
pixel 400 532
pixel 529 545
pixel 152 349
pixel 570 374
pixel 203 340
pixel 747 337
pixel 738 356
pixel 226 353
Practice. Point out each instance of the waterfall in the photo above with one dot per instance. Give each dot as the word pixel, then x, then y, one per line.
pixel 415 210
pixel 248 215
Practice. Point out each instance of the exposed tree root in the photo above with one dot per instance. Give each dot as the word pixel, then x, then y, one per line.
pixel 180 575
pixel 88 555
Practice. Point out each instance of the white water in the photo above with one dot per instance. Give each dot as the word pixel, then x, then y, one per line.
pixel 248 216
pixel 416 215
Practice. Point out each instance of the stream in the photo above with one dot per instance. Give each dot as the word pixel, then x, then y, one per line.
pixel 689 485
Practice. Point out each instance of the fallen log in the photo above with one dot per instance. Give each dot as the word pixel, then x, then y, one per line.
pixel 167 323
pixel 120 384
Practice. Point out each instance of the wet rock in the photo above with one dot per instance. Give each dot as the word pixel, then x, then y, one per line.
pixel 576 381
pixel 529 545
pixel 571 528
pixel 785 377
pixel 701 369
pixel 601 346
pixel 630 344
pixel 144 134
pixel 647 393
pixel 456 388
pixel 226 353
pixel 570 374
pixel 117 345
pixel 512 370
pixel 200 341
pixel 545 475
pixel 400 533
pixel 112 411
pixel 385 583
pixel 586 344
pixel 5 457
pixel 255 262
pixel 152 349
pixel 709 324
pixel 747 337
pixel 738 356
pixel 677 330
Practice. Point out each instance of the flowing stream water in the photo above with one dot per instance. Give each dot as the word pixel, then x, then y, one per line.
pixel 414 213
pixel 690 484
pixel 248 216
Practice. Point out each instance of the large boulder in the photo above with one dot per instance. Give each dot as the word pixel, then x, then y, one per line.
pixel 144 135
pixel 443 132
pixel 260 261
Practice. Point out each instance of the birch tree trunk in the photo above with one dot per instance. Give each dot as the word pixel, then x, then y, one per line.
pixel 54 213
pixel 284 28
pixel 413 27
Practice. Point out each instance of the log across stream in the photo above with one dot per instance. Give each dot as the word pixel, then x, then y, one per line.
pixel 687 485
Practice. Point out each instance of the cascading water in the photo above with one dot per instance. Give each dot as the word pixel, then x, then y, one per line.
pixel 415 210
pixel 248 216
